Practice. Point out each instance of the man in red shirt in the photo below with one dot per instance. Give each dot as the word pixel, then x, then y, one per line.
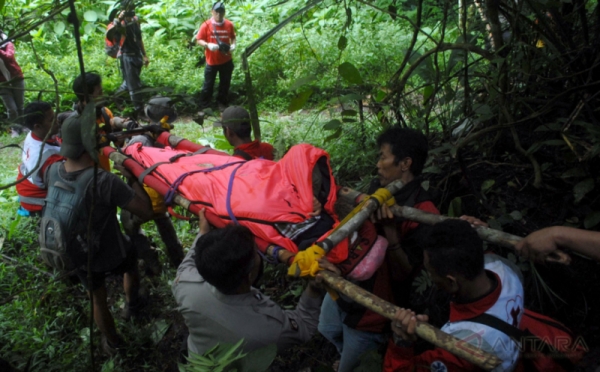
pixel 39 118
pixel 217 37
pixel 235 121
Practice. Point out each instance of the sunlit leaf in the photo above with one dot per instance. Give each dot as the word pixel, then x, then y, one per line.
pixel 59 28
pixel 350 73
pixel 90 16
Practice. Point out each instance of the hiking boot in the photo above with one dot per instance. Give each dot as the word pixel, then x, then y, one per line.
pixel 108 348
pixel 134 308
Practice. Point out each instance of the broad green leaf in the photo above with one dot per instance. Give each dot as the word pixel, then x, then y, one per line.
pixel 335 135
pixel 486 185
pixel 349 113
pixel 90 16
pixel 427 92
pixel 425 185
pixel 591 220
pixel 159 329
pixel 1 4
pixel 455 208
pixel 342 43
pixel 380 95
pixel 582 188
pixel 300 82
pixel 59 28
pixel 257 360
pixel 332 125
pixel 89 28
pixel 350 73
pixel 300 100
pixel 432 169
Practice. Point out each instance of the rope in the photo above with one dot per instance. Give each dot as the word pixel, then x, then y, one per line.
pixel 229 189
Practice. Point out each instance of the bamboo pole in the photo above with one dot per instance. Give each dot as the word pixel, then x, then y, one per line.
pixel 490 235
pixel 354 223
pixel 424 330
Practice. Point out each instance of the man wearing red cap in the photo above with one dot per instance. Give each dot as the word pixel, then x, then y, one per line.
pixel 217 37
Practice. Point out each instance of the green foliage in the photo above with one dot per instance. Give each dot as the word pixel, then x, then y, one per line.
pixel 226 357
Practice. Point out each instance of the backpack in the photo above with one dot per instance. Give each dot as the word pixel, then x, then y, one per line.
pixel 64 219
pixel 546 344
pixel 112 41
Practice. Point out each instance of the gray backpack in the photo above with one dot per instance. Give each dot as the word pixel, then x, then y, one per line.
pixel 64 219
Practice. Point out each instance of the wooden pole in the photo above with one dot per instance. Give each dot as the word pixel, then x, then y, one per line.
pixel 490 235
pixel 424 330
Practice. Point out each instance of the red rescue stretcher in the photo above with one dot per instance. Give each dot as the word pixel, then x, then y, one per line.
pixel 258 194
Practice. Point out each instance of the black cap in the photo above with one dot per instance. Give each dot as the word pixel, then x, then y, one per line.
pixel 218 6
pixel 234 117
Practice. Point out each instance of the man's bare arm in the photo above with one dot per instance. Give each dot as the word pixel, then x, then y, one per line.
pixel 540 244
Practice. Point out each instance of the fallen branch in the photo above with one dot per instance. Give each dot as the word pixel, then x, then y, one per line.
pixel 424 330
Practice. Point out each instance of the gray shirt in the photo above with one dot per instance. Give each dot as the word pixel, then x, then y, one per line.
pixel 213 317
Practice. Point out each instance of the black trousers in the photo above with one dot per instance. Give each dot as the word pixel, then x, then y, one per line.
pixel 210 73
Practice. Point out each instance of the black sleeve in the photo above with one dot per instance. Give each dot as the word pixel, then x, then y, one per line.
pixel 112 191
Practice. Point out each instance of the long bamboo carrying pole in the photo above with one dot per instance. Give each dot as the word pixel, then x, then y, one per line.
pixel 490 235
pixel 424 330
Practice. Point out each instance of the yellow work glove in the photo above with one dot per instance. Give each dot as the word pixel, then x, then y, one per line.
pixel 306 262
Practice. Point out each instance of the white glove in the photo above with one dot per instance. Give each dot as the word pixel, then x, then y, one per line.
pixel 232 47
pixel 212 47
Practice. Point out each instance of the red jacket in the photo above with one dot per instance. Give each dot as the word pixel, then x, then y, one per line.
pixel 256 150
pixel 7 54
